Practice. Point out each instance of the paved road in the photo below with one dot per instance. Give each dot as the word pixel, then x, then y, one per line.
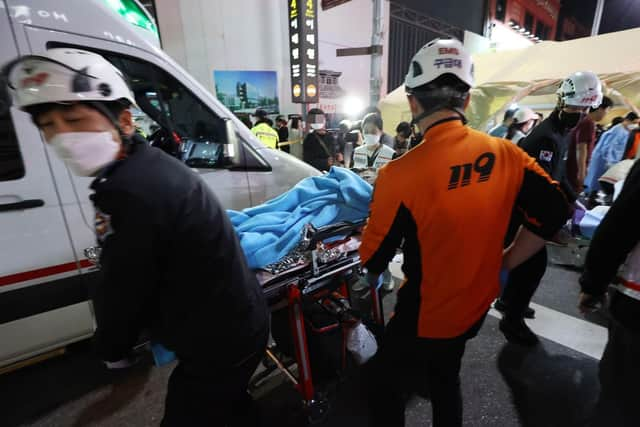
pixel 503 385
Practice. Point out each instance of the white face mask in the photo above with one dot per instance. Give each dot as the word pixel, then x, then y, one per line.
pixel 371 140
pixel 85 153
pixel 633 126
pixel 317 126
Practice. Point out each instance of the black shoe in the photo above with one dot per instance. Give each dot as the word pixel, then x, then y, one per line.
pixel 499 305
pixel 517 332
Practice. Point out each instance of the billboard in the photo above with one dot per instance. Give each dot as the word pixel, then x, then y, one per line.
pixel 303 50
pixel 244 91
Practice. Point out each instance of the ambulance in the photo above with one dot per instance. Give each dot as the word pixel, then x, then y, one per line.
pixel 46 218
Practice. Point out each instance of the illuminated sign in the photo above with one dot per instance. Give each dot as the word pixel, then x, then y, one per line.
pixel 133 13
pixel 303 50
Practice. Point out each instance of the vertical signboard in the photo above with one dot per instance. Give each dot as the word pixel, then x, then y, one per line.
pixel 303 49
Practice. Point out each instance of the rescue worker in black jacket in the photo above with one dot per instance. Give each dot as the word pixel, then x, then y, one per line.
pixel 548 144
pixel 171 263
pixel 616 243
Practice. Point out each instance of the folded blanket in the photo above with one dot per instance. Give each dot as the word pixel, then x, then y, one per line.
pixel 270 231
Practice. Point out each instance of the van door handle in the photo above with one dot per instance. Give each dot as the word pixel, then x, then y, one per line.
pixel 22 205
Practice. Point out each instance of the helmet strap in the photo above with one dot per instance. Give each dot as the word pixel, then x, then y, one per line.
pixel 100 107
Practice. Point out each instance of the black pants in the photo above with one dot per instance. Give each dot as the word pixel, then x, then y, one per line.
pixel 522 284
pixel 405 365
pixel 619 378
pixel 211 394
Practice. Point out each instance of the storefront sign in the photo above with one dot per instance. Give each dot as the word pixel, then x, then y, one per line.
pixel 303 48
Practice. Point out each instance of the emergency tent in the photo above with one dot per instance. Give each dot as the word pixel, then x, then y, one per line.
pixel 531 75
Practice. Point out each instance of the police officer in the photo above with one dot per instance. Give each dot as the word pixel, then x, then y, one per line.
pixel 171 263
pixel 547 143
pixel 448 203
pixel 263 130
pixel 616 243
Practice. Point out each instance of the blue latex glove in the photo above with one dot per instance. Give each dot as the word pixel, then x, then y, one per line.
pixel 504 278
pixel 161 355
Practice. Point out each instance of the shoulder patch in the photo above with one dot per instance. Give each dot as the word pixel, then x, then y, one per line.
pixel 546 156
pixel 103 226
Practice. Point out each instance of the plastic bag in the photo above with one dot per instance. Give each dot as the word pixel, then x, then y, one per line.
pixel 361 343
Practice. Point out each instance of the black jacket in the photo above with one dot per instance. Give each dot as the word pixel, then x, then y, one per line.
pixel 317 154
pixel 548 144
pixel 616 236
pixel 171 264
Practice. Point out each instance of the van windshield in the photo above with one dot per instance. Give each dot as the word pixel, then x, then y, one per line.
pixel 171 117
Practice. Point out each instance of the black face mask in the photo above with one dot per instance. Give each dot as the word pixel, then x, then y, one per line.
pixel 570 120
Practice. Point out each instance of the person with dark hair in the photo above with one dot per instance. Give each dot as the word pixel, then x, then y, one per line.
pixel 458 185
pixel 263 129
pixel 283 132
pixel 319 145
pixel 501 130
pixel 547 144
pixel 402 141
pixel 385 138
pixel 523 122
pixel 609 151
pixel 582 141
pixel 373 153
pixel 153 217
pixel 245 120
pixel 615 121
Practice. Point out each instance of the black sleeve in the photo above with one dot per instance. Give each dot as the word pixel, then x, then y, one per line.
pixel 542 204
pixel 616 236
pixel 129 272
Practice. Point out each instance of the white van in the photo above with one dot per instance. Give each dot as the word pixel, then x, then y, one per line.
pixel 46 218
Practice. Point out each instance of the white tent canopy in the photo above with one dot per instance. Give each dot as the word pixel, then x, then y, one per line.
pixel 530 76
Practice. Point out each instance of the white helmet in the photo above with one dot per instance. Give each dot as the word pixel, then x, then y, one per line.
pixel 65 75
pixel 581 89
pixel 524 114
pixel 439 57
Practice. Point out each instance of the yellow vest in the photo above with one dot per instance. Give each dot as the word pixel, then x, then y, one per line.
pixel 266 134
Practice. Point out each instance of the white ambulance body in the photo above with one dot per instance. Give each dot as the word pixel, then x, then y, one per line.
pixel 46 217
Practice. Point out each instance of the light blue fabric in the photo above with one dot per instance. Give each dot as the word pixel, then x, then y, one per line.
pixel 270 231
pixel 608 152
pixel 499 131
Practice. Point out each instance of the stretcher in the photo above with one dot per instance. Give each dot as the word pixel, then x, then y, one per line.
pixel 324 262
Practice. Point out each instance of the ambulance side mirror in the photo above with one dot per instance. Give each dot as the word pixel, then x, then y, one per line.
pixel 232 149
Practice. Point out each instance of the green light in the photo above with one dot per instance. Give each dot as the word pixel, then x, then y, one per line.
pixel 133 13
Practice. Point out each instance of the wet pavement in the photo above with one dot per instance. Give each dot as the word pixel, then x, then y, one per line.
pixel 503 384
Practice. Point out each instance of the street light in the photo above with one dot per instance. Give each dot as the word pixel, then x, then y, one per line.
pixel 353 106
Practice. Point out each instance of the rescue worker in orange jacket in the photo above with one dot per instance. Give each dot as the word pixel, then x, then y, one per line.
pixel 448 202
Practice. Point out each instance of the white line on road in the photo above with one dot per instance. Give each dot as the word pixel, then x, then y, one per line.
pixel 576 334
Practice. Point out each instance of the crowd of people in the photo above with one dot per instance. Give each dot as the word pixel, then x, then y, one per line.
pixel 470 211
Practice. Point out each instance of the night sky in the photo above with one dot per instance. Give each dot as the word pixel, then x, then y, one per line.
pixel 618 14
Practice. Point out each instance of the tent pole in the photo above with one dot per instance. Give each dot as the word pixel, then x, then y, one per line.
pixel 597 19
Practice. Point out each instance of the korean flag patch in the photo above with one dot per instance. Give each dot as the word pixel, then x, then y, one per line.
pixel 103 226
pixel 546 156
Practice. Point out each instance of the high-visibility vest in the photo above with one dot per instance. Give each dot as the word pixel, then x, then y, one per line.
pixel 266 134
pixel 361 157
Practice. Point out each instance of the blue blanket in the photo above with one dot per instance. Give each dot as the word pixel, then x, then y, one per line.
pixel 270 231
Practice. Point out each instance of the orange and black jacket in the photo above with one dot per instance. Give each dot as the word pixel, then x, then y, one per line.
pixel 448 202
pixel 633 144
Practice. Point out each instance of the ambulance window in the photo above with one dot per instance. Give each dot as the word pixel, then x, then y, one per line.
pixel 11 164
pixel 176 120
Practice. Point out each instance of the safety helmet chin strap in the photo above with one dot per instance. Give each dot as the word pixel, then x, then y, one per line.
pixel 100 107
